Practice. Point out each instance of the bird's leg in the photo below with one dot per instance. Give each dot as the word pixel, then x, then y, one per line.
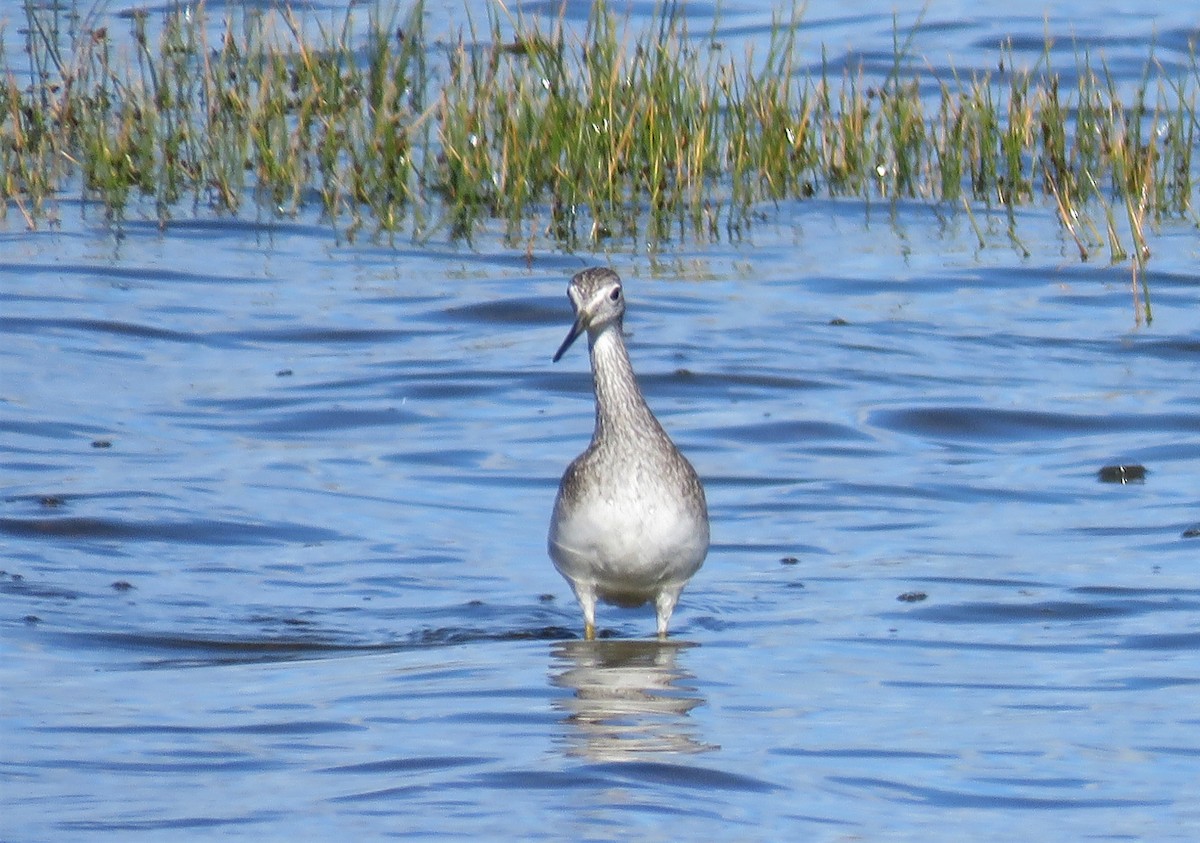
pixel 586 595
pixel 664 605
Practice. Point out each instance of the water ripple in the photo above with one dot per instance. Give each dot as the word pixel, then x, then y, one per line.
pixel 1042 611
pixel 202 532
pixel 958 799
pixel 993 424
pixel 687 776
pixel 40 326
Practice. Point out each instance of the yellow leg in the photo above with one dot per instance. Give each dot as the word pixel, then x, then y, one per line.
pixel 589 631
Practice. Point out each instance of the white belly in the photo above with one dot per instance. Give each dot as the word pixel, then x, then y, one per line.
pixel 627 545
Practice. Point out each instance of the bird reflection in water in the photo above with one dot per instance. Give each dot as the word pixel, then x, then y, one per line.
pixel 630 699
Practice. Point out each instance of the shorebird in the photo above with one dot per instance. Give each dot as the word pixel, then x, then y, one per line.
pixel 630 523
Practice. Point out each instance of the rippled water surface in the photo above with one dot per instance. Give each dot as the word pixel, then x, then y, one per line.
pixel 274 510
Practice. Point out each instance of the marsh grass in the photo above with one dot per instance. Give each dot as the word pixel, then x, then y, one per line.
pixel 568 136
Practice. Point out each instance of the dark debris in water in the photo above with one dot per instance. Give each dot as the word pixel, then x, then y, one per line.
pixel 275 620
pixel 122 585
pixel 101 443
pixel 45 501
pixel 1192 532
pixel 789 560
pixel 912 597
pixel 1123 474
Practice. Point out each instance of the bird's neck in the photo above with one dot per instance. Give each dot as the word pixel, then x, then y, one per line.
pixel 620 408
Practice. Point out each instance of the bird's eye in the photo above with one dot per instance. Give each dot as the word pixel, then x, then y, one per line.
pixel 615 295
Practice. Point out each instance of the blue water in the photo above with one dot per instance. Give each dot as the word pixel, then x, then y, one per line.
pixel 273 511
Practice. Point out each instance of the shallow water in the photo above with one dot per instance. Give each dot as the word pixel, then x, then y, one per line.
pixel 273 537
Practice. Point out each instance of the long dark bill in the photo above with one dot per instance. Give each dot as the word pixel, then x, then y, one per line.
pixel 573 335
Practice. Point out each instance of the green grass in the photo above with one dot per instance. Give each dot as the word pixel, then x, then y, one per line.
pixel 566 138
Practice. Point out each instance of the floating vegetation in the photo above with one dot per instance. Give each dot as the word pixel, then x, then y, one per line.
pixel 571 137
